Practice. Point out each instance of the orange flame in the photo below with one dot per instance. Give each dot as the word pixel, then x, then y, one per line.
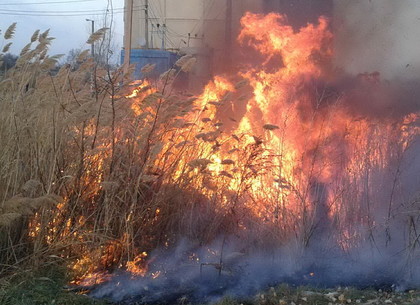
pixel 272 143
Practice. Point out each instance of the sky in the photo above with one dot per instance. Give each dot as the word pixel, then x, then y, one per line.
pixel 374 35
pixel 66 20
pixel 379 35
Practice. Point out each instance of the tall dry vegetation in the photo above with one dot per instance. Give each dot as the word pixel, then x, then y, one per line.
pixel 91 176
pixel 96 178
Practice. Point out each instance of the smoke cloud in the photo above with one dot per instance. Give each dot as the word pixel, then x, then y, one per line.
pixel 378 35
pixel 383 249
pixel 228 267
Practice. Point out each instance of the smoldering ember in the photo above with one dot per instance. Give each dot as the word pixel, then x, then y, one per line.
pixel 282 168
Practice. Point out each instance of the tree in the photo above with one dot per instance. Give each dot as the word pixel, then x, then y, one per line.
pixel 7 61
pixel 72 58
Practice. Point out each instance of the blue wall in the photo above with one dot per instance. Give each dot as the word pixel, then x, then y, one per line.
pixel 141 57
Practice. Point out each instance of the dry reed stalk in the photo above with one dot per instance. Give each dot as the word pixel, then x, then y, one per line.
pixel 136 174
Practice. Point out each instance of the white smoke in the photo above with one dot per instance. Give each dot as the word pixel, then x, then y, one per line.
pixel 378 35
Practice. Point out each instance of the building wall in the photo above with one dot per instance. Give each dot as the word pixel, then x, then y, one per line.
pixel 188 23
pixel 204 28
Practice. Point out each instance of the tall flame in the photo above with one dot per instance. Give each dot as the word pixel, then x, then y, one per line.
pixel 273 141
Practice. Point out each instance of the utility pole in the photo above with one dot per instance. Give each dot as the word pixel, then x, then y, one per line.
pixel 228 32
pixel 146 22
pixel 163 35
pixel 128 32
pixel 92 48
pixel 152 43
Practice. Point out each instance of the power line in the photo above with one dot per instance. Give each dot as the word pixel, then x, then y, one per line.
pixel 54 2
pixel 61 15
pixel 56 12
pixel 64 13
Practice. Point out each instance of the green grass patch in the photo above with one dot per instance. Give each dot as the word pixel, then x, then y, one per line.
pixel 288 295
pixel 48 286
pixel 41 287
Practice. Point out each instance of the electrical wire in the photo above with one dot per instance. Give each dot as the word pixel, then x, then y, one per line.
pixel 64 13
pixel 56 12
pixel 40 3
pixel 204 17
pixel 159 8
pixel 168 32
pixel 164 33
pixel 61 15
pixel 160 33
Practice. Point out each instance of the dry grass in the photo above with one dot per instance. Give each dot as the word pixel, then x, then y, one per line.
pixel 88 172
pixel 96 178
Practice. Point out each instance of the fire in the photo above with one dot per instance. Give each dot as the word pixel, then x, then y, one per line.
pixel 143 90
pixel 299 51
pixel 271 144
pixel 138 266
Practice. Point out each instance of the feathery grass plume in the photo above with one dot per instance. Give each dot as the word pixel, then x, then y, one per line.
pixel 99 34
pixel 45 201
pixel 41 47
pixel 31 187
pixel 188 65
pixel 26 58
pixel 25 49
pixel 216 103
pixel 6 47
pixel 44 35
pixel 241 84
pixel 5 83
pixel 169 75
pixel 18 204
pixel 43 54
pixel 50 62
pixel 148 178
pixel 228 162
pixel 152 98
pixel 243 98
pixel 110 186
pixel 34 36
pixel 148 68
pixel 7 219
pixel 82 56
pixel 183 60
pixel 182 144
pixel 270 127
pixel 156 150
pixel 10 31
pixel 227 97
pixel 57 56
pixel 226 174
pixel 201 163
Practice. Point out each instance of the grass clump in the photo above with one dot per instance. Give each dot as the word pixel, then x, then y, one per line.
pixel 100 174
pixel 41 287
pixel 304 295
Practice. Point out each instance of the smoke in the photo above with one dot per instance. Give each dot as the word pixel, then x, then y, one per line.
pixel 377 249
pixel 382 253
pixel 229 267
pixel 378 35
pixel 368 94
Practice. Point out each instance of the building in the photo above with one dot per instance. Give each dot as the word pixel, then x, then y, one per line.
pixel 163 29
pixel 158 31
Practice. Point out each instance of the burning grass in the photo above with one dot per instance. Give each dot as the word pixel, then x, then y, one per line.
pixel 48 286
pixel 269 164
